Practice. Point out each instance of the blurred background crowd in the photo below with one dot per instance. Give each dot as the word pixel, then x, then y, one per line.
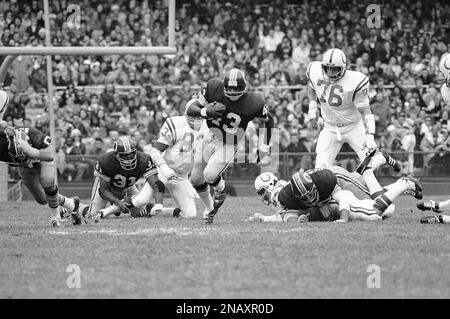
pixel 99 98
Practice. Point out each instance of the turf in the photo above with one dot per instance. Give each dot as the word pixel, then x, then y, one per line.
pixel 167 258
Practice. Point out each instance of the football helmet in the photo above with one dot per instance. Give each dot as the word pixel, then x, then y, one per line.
pixel 444 67
pixel 234 84
pixel 304 188
pixel 334 64
pixel 4 100
pixel 264 185
pixel 14 150
pixel 194 122
pixel 126 153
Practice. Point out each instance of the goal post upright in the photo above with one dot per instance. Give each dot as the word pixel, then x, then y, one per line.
pixel 12 52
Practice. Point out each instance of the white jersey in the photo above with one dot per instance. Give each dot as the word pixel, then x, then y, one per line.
pixel 340 100
pixel 184 143
pixel 445 92
pixel 276 190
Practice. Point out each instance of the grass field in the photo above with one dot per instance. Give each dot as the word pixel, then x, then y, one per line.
pixel 166 258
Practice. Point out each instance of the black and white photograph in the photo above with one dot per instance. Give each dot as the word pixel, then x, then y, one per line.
pixel 240 152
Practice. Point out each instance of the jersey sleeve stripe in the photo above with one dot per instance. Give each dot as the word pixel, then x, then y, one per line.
pixel 173 129
pixel 360 86
pixel 151 172
pixel 202 99
pixel 102 176
pixel 307 74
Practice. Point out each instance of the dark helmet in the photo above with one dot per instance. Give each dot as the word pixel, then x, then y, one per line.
pixel 125 152
pixel 304 187
pixel 234 84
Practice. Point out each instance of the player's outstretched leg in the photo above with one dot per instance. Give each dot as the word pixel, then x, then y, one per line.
pixel 436 219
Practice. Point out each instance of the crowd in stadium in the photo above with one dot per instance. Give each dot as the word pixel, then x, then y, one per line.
pixel 273 42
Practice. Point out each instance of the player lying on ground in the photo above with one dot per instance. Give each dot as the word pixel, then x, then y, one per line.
pixel 361 207
pixel 116 175
pixel 228 108
pixel 33 152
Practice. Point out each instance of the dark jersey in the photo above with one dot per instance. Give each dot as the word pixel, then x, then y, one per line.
pixel 37 139
pixel 108 169
pixel 232 125
pixel 324 182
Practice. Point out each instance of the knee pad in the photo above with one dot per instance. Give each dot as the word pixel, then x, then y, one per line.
pixel 201 188
pixel 51 190
pixel 197 178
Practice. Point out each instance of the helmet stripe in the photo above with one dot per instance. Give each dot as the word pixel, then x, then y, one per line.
pixel 331 55
pixel 299 184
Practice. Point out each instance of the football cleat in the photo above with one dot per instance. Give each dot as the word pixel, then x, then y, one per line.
pixel 391 161
pixel 436 219
pixel 428 205
pixel 176 212
pixel 209 219
pixel 415 183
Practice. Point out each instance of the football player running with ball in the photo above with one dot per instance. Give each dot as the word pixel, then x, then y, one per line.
pixel 33 153
pixel 116 175
pixel 228 108
pixel 343 100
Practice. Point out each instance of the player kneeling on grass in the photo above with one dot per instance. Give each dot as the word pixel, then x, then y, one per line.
pixel 319 192
pixel 180 140
pixel 33 152
pixel 116 175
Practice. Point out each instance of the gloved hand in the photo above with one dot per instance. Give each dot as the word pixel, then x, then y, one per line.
pixel 167 172
pixel 122 206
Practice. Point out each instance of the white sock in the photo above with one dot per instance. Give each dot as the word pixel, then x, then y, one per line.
pixel 372 182
pixel 446 219
pixel 167 211
pixel 68 203
pixel 220 186
pixel 54 213
pixel 444 206
pixel 377 160
pixel 110 210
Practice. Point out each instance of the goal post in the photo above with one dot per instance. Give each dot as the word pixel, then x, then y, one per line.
pixel 12 52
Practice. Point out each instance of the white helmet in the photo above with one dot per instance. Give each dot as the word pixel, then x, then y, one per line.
pixel 264 185
pixel 4 100
pixel 444 67
pixel 194 122
pixel 334 64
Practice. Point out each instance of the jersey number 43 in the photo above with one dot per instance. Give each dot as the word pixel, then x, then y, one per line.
pixel 233 123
